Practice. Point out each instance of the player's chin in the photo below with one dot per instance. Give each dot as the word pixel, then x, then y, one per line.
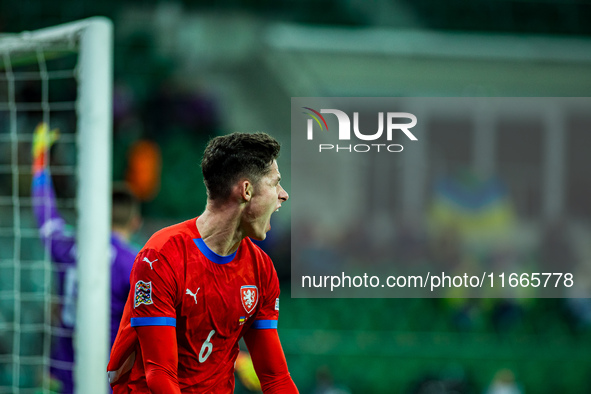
pixel 261 234
pixel 264 235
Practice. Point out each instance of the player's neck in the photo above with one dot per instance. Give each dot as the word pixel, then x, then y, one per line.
pixel 219 227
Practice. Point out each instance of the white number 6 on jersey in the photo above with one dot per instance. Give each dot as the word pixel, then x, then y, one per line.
pixel 206 346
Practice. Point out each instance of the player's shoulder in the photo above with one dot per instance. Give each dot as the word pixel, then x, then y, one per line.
pixel 172 236
pixel 263 264
pixel 260 257
pixel 255 249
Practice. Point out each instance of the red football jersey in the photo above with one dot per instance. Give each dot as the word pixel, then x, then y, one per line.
pixel 212 300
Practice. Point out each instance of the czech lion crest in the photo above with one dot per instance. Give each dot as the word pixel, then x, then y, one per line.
pixel 250 297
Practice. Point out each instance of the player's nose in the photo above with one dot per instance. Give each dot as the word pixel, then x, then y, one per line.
pixel 283 196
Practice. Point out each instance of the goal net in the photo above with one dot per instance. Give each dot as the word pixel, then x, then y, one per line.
pixel 60 77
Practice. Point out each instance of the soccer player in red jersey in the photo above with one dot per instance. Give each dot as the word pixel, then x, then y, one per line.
pixel 197 287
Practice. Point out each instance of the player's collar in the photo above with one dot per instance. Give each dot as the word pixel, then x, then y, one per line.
pixel 211 255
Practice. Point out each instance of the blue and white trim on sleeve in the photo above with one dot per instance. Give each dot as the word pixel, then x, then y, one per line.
pixel 153 321
pixel 264 324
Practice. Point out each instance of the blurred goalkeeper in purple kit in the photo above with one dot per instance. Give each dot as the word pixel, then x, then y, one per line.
pixel 62 245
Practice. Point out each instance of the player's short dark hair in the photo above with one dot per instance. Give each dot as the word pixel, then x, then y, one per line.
pixel 230 157
pixel 125 205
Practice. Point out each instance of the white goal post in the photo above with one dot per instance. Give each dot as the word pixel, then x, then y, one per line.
pixel 93 40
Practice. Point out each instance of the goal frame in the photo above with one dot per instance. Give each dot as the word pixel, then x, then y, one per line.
pixel 94 40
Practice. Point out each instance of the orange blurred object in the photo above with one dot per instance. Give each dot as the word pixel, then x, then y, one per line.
pixel 144 169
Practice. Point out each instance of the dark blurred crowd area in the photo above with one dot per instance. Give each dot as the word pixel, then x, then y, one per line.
pixel 517 343
pixel 160 128
pixel 547 17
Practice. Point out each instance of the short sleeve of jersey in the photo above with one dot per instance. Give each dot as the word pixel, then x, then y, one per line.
pixel 154 288
pixel 268 315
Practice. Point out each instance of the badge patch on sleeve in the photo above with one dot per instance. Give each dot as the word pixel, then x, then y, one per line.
pixel 277 304
pixel 143 293
pixel 250 297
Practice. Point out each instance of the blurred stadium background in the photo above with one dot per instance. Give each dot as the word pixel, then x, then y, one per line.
pixel 187 70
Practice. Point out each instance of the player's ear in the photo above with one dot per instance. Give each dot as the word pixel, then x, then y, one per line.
pixel 246 190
